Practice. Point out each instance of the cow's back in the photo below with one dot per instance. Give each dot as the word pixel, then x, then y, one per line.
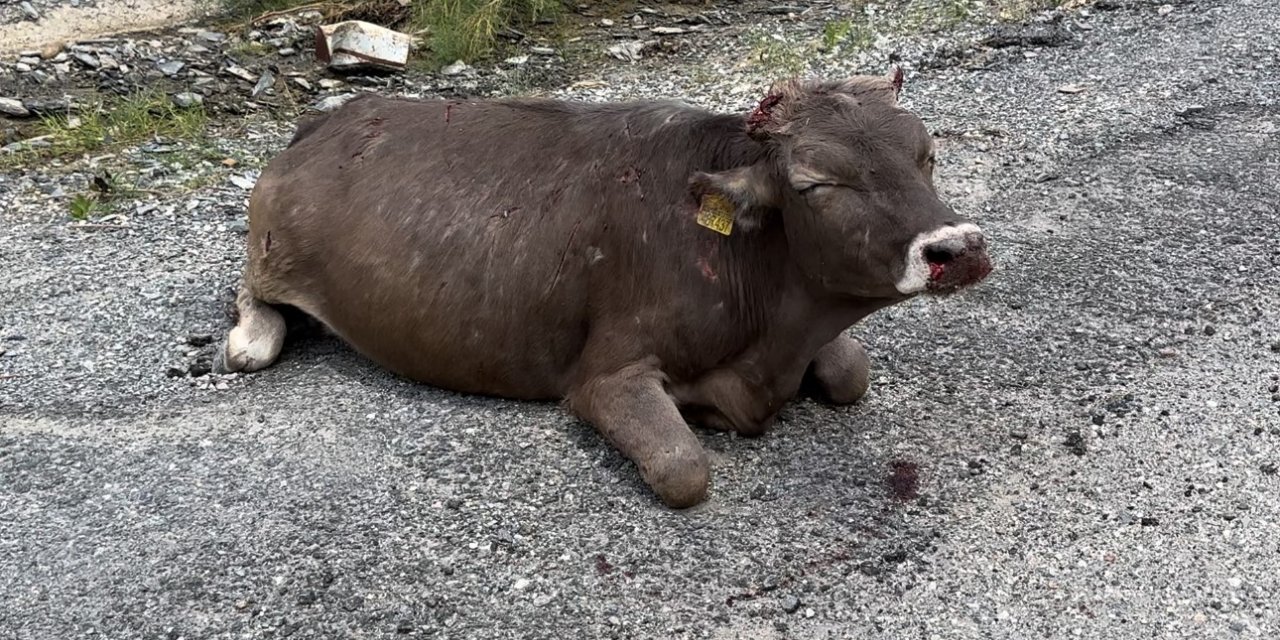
pixel 462 243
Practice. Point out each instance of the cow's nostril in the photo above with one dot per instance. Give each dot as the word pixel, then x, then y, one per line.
pixel 941 253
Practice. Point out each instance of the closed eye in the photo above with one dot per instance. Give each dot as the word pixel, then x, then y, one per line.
pixel 809 188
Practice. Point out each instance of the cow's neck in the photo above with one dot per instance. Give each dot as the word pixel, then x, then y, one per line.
pixel 782 313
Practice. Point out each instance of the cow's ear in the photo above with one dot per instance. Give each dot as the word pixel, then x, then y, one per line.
pixel 772 117
pixel 750 192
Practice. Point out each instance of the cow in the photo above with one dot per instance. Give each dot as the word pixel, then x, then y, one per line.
pixel 649 265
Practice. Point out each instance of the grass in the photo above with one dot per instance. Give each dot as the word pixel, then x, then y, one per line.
pixel 468 29
pixel 107 125
pixel 128 121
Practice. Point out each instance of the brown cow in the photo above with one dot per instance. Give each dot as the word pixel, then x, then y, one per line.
pixel 648 262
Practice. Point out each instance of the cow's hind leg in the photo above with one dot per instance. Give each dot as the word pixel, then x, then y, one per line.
pixel 841 370
pixel 632 410
pixel 255 341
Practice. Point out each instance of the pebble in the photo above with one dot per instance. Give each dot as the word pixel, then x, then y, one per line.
pixel 454 69
pixel 22 67
pixel 266 81
pixel 13 107
pixel 287 51
pixel 29 11
pixel 333 102
pixel 543 51
pixel 51 50
pixel 790 603
pixel 172 67
pixel 211 36
pixel 86 59
pixel 517 60
pixel 521 584
pixel 187 99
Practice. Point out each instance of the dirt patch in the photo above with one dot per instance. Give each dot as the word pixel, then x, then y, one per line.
pixel 66 24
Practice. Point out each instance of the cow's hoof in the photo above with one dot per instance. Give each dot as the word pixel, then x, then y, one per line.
pixel 843 370
pixel 680 478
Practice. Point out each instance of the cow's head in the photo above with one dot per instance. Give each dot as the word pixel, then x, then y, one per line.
pixel 851 175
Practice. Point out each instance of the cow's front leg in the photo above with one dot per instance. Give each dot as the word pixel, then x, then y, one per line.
pixel 841 370
pixel 632 410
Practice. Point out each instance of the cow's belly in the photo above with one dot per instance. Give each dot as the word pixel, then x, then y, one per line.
pixel 447 314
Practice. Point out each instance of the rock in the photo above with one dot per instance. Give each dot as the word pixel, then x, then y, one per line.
pixel 200 339
pixel 1210 330
pixel 51 50
pixel 521 584
pixel 1164 10
pixel 455 69
pixel 668 31
pixel 29 11
pixel 12 107
pixel 333 102
pixel 1076 443
pixel 54 106
pixel 1149 521
pixel 244 182
pixel 86 59
pixel 22 67
pixel 201 367
pixel 628 51
pixel 302 82
pixel 211 36
pixel 266 81
pixel 175 372
pixel 287 51
pixel 187 99
pixel 517 60
pixel 239 72
pixel 542 51
pixel 1072 88
pixel 790 604
pixel 172 67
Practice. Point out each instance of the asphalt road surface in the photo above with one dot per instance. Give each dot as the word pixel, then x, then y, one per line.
pixel 1084 447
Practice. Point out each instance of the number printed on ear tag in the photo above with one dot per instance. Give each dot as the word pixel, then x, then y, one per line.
pixel 716 213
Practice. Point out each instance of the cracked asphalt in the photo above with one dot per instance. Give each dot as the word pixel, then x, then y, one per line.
pixel 1085 446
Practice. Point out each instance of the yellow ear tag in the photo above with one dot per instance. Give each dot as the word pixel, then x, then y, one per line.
pixel 716 213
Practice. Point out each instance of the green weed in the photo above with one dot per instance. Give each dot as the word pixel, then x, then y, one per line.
pixel 468 29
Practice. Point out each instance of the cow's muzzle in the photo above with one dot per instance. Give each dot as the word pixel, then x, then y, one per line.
pixel 945 260
pixel 957 261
